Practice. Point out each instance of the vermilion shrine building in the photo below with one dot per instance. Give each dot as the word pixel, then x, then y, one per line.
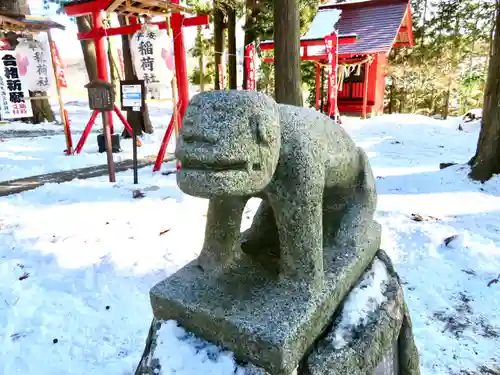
pixel 366 33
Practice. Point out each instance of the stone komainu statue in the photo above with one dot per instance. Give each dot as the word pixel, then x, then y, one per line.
pixel 317 187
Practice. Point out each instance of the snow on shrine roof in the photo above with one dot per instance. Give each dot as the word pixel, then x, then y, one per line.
pixel 377 23
pixel 323 24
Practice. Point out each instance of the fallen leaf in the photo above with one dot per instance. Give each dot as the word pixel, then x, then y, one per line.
pixel 138 194
pixel 494 281
pixel 417 217
pixel 449 239
pixel 164 231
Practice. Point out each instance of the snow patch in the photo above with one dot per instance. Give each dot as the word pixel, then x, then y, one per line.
pixel 182 353
pixel 363 300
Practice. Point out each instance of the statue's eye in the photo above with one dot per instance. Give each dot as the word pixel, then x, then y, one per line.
pixel 257 131
pixel 258 134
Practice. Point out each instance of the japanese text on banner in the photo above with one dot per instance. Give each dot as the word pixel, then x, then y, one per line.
pixel 12 90
pixel 59 65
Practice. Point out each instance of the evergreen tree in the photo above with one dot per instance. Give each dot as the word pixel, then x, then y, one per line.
pixel 486 161
pixel 445 69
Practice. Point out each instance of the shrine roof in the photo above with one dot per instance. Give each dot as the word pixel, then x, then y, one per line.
pixel 20 22
pixel 126 7
pixel 378 24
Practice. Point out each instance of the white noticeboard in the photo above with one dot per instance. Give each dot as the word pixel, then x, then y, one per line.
pixel 12 89
pixel 132 96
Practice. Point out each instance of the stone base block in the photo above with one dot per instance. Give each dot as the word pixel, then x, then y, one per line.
pixel 269 323
pixel 384 346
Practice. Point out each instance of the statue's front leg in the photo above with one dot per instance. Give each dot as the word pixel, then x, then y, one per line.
pixel 300 228
pixel 222 232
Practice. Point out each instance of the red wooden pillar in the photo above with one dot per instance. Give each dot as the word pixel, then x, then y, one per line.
pixel 331 42
pixel 365 90
pixel 101 59
pixel 180 61
pixel 318 85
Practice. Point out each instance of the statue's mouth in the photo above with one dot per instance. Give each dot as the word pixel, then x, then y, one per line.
pixel 215 167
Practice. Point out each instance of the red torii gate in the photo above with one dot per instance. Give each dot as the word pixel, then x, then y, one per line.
pixel 133 9
pixel 329 54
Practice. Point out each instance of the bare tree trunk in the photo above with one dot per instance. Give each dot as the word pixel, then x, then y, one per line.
pixel 486 162
pixel 218 43
pixel 287 52
pixel 84 24
pixel 391 97
pixel 447 99
pixel 113 66
pixel 231 48
pixel 455 56
pixel 201 59
pixel 251 14
pixel 15 6
pixel 138 120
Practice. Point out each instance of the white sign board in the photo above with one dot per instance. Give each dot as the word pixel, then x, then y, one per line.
pixel 12 89
pixel 132 96
pixel 153 55
pixel 34 64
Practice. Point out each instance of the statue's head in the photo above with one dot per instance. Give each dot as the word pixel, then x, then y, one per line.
pixel 229 143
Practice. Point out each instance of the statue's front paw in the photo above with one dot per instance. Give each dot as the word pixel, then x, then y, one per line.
pixel 206 262
pixel 214 261
pixel 345 242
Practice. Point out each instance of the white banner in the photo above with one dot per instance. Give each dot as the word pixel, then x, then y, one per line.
pixel 12 89
pixel 34 63
pixel 153 56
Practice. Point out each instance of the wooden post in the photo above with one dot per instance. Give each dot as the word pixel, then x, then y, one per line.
pixel 365 89
pixel 322 73
pixel 69 147
pixel 180 60
pixel 174 97
pixel 101 59
pixel 109 146
pixel 318 84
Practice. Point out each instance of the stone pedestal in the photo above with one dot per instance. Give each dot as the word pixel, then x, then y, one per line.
pixel 264 321
pixel 382 346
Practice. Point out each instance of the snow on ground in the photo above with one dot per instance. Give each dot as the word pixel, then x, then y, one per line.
pixel 79 258
pixel 41 148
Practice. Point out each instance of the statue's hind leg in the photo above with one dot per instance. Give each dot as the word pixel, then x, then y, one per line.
pixel 261 240
pixel 360 210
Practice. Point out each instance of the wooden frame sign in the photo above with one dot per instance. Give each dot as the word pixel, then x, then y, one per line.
pixel 133 95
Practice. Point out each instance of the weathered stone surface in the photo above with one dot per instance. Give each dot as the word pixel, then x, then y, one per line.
pixel 317 187
pixel 383 346
pixel 268 294
pixel 264 321
pixel 388 330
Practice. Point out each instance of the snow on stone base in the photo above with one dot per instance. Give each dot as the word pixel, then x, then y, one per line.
pixel 364 299
pixel 173 350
